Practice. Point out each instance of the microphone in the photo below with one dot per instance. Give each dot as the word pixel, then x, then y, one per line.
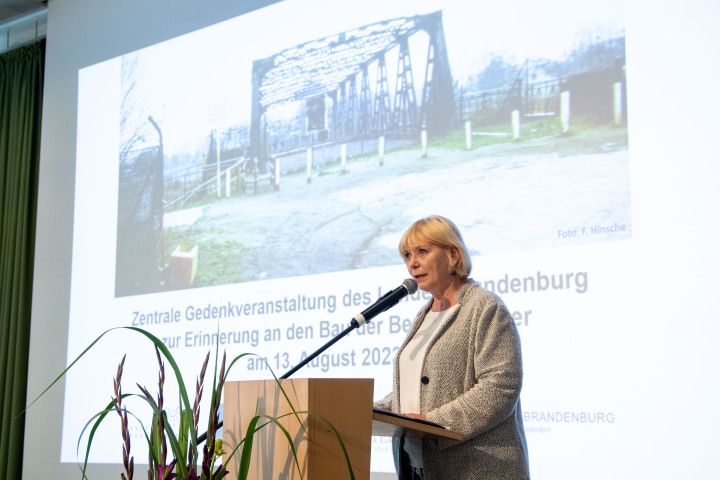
pixel 390 299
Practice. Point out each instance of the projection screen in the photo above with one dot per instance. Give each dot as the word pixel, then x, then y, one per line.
pixel 239 176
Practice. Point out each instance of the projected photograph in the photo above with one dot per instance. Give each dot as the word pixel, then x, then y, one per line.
pixel 246 155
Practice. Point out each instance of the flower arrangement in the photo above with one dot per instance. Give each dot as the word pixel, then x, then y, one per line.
pixel 181 445
pixel 173 454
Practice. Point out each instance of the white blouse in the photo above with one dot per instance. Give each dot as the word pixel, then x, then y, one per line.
pixel 411 362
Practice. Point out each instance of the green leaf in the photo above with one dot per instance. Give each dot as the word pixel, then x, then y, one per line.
pixel 340 441
pixel 186 420
pixel 247 449
pixel 276 421
pixel 100 416
pixel 187 438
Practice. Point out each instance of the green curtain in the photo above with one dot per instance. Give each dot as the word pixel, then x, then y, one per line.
pixel 21 92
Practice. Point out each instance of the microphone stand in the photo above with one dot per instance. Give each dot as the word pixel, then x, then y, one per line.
pixel 353 325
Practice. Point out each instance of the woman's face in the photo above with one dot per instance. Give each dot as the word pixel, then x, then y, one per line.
pixel 429 265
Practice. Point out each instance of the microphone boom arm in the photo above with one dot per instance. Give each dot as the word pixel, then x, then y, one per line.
pixel 390 299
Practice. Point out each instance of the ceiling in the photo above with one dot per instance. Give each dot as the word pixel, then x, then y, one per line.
pixel 13 9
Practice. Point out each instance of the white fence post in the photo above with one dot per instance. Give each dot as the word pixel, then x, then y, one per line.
pixel 277 174
pixel 423 141
pixel 516 124
pixel 217 148
pixel 343 156
pixel 617 102
pixel 468 135
pixel 565 111
pixel 309 155
pixel 381 150
pixel 228 175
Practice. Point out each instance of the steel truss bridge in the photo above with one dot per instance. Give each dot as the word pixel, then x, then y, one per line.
pixel 333 67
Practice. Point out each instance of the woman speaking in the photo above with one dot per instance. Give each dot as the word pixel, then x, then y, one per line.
pixel 460 366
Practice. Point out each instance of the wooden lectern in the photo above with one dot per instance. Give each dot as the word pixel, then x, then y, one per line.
pixel 343 403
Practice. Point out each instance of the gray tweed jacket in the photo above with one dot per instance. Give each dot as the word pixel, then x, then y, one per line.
pixel 470 382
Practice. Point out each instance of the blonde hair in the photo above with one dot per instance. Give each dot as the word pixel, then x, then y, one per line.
pixel 441 232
